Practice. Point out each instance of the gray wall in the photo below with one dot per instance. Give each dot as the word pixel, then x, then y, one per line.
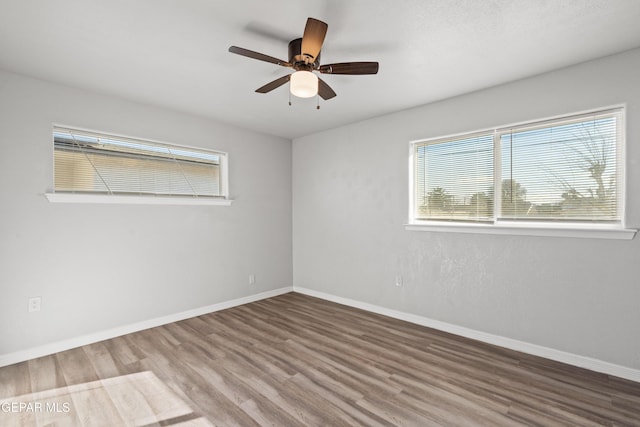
pixel 99 267
pixel 350 201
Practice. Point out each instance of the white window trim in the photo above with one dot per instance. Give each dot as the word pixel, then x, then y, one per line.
pixel 94 198
pixel 539 229
pixel 527 229
pixel 134 200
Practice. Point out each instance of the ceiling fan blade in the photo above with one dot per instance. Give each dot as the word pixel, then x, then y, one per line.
pixel 352 68
pixel 257 55
pixel 312 39
pixel 274 84
pixel 324 90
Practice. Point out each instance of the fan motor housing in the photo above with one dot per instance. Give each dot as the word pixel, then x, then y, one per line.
pixel 297 59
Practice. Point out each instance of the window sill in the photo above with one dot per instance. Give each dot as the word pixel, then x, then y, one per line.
pixel 134 200
pixel 547 230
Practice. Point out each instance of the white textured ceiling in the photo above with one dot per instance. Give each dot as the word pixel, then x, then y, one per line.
pixel 173 53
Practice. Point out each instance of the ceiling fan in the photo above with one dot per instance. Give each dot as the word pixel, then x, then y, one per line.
pixel 304 58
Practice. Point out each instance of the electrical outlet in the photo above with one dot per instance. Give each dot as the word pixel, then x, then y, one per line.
pixel 34 304
pixel 398 281
pixel 252 279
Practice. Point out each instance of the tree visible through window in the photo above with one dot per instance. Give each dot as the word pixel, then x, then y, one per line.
pixel 566 169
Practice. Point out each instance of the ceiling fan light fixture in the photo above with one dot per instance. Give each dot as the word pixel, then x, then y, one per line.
pixel 304 58
pixel 304 84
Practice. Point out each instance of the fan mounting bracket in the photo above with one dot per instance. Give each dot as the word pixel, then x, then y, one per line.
pixel 301 61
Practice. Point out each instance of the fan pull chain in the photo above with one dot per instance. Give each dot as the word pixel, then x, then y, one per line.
pixel 318 101
pixel 289 98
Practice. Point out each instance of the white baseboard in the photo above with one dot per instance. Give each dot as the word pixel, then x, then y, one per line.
pixel 524 347
pixel 55 347
pixel 533 349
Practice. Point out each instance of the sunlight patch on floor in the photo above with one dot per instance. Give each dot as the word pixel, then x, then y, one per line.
pixel 139 399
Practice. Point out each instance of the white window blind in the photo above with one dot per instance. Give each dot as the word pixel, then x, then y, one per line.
pixel 89 162
pixel 454 178
pixel 565 170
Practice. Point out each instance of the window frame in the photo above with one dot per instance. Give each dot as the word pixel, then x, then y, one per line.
pixel 223 199
pixel 501 226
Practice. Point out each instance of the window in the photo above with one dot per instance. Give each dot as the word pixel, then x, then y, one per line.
pixel 454 178
pixel 562 171
pixel 90 163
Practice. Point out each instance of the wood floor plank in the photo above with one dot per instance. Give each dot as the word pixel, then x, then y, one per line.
pixel 122 354
pixel 203 397
pixel 76 366
pixel 45 373
pixel 295 360
pixel 346 405
pixel 103 361
pixel 266 413
pixel 15 380
pixel 94 404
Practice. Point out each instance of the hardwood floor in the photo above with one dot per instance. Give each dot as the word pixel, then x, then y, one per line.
pixel 295 360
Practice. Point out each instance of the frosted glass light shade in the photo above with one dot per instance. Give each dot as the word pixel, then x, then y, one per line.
pixel 304 84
